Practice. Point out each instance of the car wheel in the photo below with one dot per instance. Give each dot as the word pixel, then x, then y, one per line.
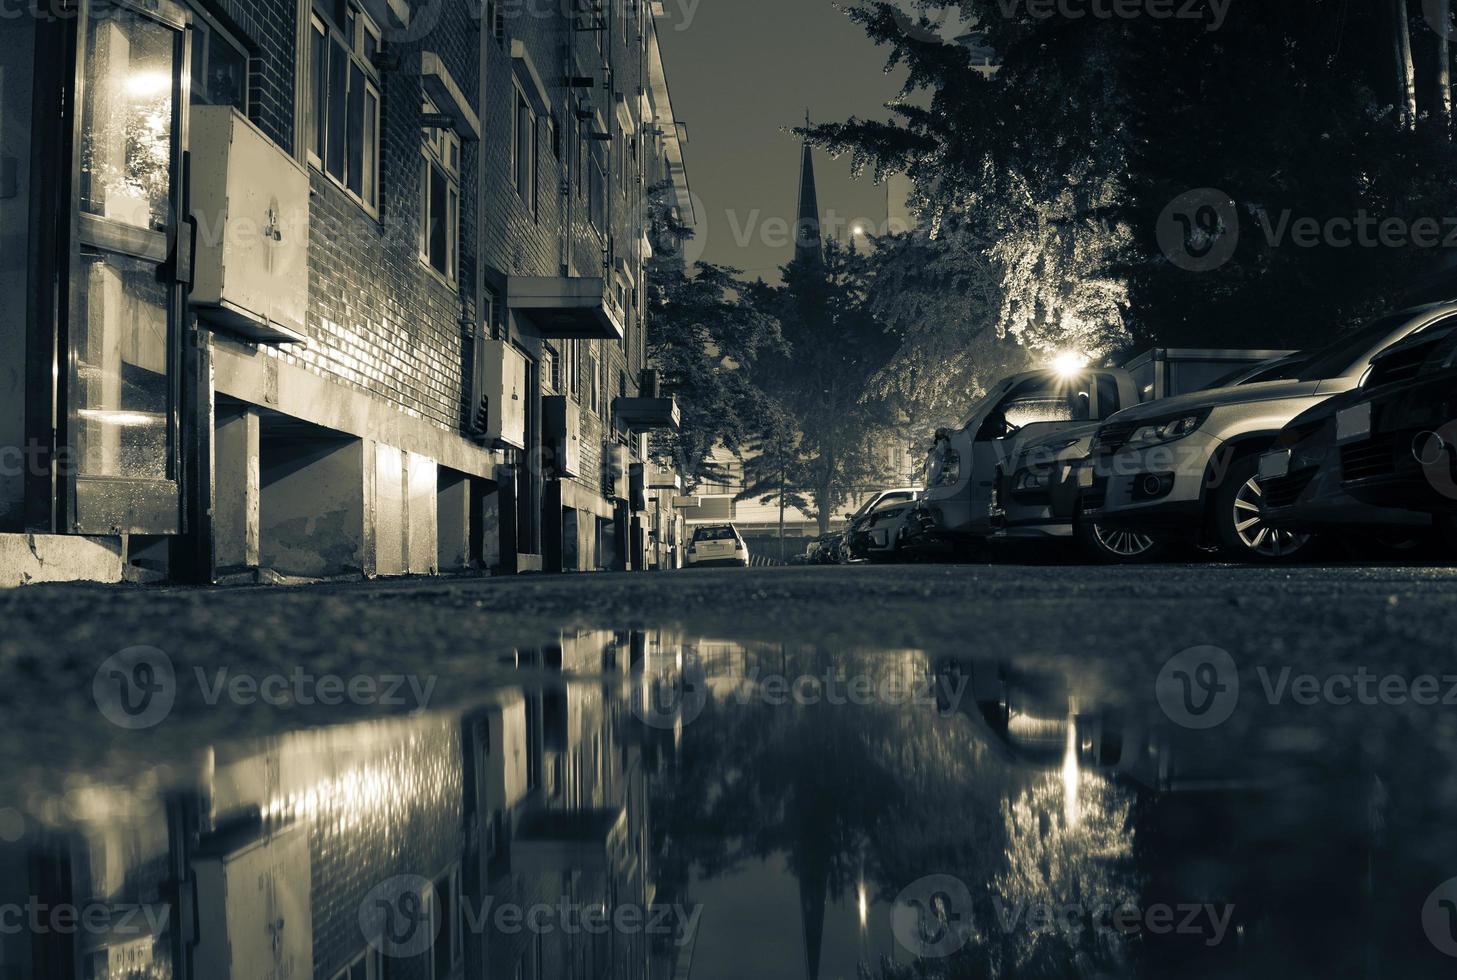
pixel 1239 524
pixel 1114 546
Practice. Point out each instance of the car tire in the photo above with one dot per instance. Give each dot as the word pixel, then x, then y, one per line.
pixel 1239 526
pixel 1115 547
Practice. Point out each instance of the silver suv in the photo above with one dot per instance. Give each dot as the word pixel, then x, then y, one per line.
pixel 1189 465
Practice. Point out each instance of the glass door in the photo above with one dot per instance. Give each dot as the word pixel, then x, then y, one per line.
pixel 122 385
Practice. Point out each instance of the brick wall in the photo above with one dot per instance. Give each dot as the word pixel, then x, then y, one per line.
pixel 380 320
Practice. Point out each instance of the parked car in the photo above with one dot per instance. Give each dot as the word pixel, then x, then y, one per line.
pixel 1188 466
pixel 1303 485
pixel 955 512
pixel 878 535
pixel 815 551
pixel 838 551
pixel 1037 493
pixel 1396 442
pixel 717 544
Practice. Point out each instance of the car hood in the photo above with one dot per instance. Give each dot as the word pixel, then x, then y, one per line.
pixel 1214 398
pixel 1073 442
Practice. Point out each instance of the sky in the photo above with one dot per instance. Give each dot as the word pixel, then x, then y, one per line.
pixel 740 73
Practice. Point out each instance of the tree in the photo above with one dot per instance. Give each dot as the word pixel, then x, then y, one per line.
pixel 821 378
pixel 774 468
pixel 703 340
pixel 1068 165
pixel 938 297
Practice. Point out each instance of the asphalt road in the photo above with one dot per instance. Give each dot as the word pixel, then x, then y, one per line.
pixel 1111 629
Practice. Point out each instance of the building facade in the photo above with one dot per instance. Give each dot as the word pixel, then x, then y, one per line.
pixel 328 287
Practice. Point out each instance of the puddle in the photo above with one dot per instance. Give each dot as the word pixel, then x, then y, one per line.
pixel 645 804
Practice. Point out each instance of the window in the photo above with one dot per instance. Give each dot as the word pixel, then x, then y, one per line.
pixel 367 965
pixel 440 200
pixel 551 368
pixel 1037 400
pixel 597 191
pixel 344 103
pixel 594 398
pixel 554 133
pixel 524 144
pixel 219 66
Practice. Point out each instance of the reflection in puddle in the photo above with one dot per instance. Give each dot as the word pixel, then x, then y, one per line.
pixel 647 805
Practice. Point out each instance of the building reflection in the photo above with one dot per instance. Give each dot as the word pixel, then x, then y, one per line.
pixel 793 822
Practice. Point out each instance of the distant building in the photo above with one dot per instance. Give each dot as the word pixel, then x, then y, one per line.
pixel 347 288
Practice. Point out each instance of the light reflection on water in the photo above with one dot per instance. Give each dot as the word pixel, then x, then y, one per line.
pixel 766 810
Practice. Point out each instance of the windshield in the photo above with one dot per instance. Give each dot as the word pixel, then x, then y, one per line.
pixel 1280 369
pixel 1342 355
pixel 723 532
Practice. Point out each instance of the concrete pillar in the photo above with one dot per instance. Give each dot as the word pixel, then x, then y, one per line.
pixel 452 521
pixel 237 493
pixel 390 518
pixel 314 510
pixel 421 483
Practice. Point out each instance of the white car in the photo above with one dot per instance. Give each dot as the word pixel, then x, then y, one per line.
pixel 717 544
pixel 1190 464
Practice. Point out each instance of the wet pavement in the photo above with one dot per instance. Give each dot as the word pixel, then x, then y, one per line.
pixel 976 771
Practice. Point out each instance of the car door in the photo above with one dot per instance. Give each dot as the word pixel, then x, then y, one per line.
pixel 1035 405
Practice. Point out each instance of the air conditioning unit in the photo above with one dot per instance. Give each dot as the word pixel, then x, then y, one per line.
pixel 250 201
pixel 561 431
pixel 253 908
pixel 503 381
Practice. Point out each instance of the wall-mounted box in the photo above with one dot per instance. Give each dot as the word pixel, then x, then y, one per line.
pixel 562 433
pixel 250 201
pixel 254 911
pixel 503 370
pixel 662 477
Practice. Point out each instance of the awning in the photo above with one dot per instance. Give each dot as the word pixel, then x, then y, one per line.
pixel 562 307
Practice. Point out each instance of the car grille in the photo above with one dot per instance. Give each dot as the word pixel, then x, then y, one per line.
pixel 1399 366
pixel 1285 490
pixel 1113 435
pixel 1368 458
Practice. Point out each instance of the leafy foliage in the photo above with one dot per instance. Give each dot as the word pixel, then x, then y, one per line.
pixel 703 341
pixel 1055 170
pixel 833 346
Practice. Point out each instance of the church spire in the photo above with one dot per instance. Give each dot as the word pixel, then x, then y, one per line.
pixel 807 244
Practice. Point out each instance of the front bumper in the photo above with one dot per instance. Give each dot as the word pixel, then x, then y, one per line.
pixel 1116 498
pixel 1311 498
pixel 1383 469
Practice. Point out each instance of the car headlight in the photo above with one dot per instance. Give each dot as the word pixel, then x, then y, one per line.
pixel 1167 429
